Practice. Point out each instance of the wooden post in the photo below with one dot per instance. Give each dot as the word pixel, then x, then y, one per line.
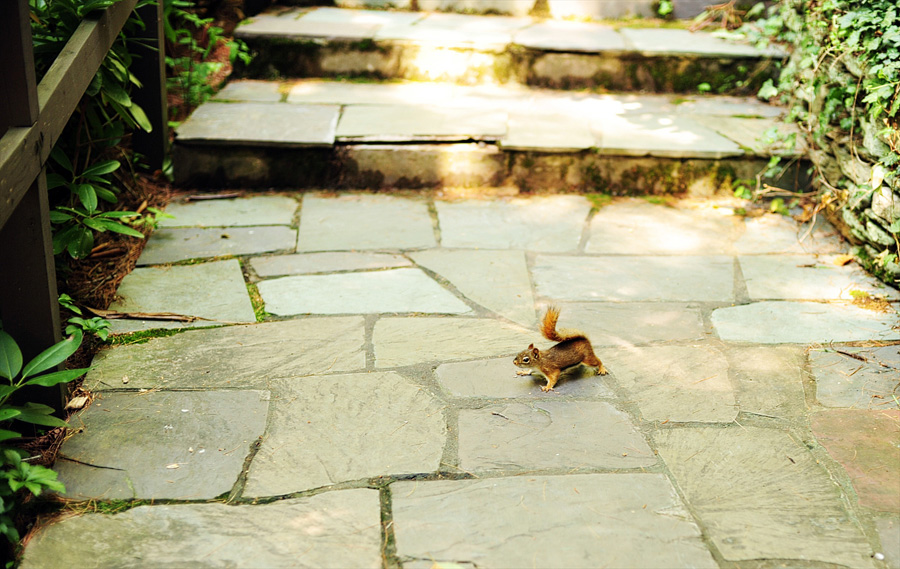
pixel 149 67
pixel 29 305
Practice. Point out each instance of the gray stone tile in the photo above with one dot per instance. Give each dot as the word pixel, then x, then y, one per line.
pixel 549 224
pixel 397 290
pixel 547 133
pixel 497 378
pixel 327 430
pixel 761 495
pixel 678 384
pixel 391 94
pixel 769 379
pixel 603 520
pixel 261 124
pixel 457 30
pixel 806 277
pixel 295 24
pixel 657 41
pixel 802 323
pixel 214 292
pixel 626 324
pixel 724 106
pixel 763 137
pixel 889 532
pixel 364 221
pixel 497 280
pixel 234 356
pixel 562 35
pixel 377 17
pixel 549 435
pixel 407 341
pixel 250 90
pixel 405 123
pixel 309 263
pixel 173 244
pixel 636 227
pixel 260 536
pixel 597 10
pixel 845 381
pixel 491 7
pixel 626 278
pixel 669 136
pixel 774 233
pixel 180 445
pixel 254 210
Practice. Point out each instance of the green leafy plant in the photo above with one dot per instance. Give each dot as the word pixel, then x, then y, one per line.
pixel 16 473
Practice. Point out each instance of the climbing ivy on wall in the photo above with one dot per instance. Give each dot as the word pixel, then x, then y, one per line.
pixel 842 86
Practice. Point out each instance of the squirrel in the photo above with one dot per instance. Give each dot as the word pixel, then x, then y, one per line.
pixel 573 348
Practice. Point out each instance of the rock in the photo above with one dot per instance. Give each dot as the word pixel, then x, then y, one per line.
pixel 886 205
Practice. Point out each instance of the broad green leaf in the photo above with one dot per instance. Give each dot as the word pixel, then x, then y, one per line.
pixel 5 435
pixel 55 181
pixel 88 196
pixel 141 118
pixel 81 244
pixel 59 217
pixel 57 377
pixel 94 224
pixel 60 158
pixel 102 168
pixel 10 356
pixel 5 390
pixel 8 413
pixel 117 227
pixel 119 214
pixel 106 195
pixel 53 356
pixel 39 415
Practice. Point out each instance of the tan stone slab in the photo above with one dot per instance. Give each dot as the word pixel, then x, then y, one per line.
pixel 628 521
pixel 547 133
pixel 667 136
pixel 260 536
pixel 807 277
pixel 860 378
pixel 769 380
pixel 405 123
pixel 761 495
pixel 332 429
pixel 457 30
pixel 261 124
pixel 865 443
pixel 408 341
pixel 173 244
pixel 496 378
pixel 254 210
pixel 296 24
pixel 563 35
pixel 663 41
pixel 250 90
pixel 676 383
pixel 630 323
pixel 540 435
pixel 763 137
pixel 774 233
pixel 328 262
pixel 234 356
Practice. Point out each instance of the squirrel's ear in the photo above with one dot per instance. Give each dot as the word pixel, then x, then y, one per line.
pixel 530 346
pixel 534 351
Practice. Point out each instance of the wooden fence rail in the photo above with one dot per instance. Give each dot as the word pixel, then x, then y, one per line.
pixel 32 118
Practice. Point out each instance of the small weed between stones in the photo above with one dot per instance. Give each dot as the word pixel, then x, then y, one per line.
pixel 142 336
pixel 875 303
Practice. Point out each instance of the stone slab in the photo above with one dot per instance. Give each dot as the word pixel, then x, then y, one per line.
pixel 496 378
pixel 707 278
pixel 233 357
pixel 250 90
pixel 596 10
pixel 393 291
pixel 487 7
pixel 865 443
pixel 677 384
pixel 762 137
pixel 665 136
pixel 311 263
pixel 636 227
pixel 408 341
pixel 627 324
pixel 548 224
pixel 889 532
pixel 774 233
pixel 843 380
pixel 322 92
pixel 214 291
pixel 255 210
pixel 364 221
pixel 547 133
pixel 328 430
pixel 761 495
pixel 173 244
pixel 457 30
pixel 662 41
pixel 788 322
pixel 541 435
pixel 595 520
pixel 562 35
pixel 405 123
pixel 806 277
pixel 323 14
pixel 180 445
pixel 497 280
pixel 294 24
pixel 312 532
pixel 261 124
pixel 769 380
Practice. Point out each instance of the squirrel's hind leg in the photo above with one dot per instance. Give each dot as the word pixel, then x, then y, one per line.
pixel 593 361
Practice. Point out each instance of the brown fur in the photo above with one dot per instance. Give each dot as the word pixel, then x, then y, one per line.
pixel 573 348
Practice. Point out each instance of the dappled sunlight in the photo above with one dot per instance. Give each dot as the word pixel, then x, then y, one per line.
pixel 437 63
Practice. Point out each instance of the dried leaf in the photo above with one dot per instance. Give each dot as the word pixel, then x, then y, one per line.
pixel 171 316
pixel 842 260
pixel 173 466
pixel 77 403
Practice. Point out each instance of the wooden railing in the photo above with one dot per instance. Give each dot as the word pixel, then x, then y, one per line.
pixel 32 118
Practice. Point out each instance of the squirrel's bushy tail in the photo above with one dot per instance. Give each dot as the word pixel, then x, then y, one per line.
pixel 548 327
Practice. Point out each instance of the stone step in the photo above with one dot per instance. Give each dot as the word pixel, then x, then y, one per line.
pixel 470 49
pixel 557 9
pixel 314 133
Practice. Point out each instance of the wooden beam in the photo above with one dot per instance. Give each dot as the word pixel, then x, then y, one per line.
pixel 19 104
pixel 24 150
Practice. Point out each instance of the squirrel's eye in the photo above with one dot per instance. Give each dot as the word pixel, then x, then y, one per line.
pixel 525 360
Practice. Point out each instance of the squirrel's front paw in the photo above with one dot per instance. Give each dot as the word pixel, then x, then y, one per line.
pixel 523 372
pixel 546 388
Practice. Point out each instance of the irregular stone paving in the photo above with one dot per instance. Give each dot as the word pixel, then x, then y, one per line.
pixel 373 416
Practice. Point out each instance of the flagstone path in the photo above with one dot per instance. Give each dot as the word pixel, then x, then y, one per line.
pixel 348 398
